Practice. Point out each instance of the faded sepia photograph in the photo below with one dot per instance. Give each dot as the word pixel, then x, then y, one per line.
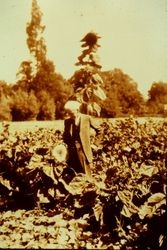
pixel 83 124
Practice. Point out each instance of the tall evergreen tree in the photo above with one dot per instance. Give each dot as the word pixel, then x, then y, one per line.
pixel 39 74
pixel 25 77
pixel 35 41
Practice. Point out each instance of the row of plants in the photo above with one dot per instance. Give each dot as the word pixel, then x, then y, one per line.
pixel 46 204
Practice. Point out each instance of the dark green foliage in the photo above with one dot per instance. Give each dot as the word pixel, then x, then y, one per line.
pixel 39 76
pixel 89 57
pixel 86 82
pixel 157 98
pixel 122 207
pixel 25 77
pixel 25 105
pixel 35 41
pixel 47 106
pixel 5 101
pixel 123 97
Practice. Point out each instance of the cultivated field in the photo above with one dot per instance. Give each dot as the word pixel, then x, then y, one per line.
pixel 59 124
pixel 45 204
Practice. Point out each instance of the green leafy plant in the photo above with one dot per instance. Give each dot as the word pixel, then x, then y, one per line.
pixel 123 206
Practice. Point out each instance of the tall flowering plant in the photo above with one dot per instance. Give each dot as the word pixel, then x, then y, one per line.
pixel 87 82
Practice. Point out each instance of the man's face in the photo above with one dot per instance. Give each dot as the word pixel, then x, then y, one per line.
pixel 72 112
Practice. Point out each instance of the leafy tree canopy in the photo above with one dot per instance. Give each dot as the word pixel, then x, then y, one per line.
pixel 39 73
pixel 157 98
pixel 25 106
pixel 158 92
pixel 123 97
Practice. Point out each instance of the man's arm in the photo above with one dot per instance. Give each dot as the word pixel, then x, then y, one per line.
pixel 94 124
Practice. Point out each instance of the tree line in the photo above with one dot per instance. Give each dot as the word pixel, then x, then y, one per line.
pixel 39 92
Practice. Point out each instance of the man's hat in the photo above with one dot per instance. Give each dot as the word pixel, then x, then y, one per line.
pixel 72 105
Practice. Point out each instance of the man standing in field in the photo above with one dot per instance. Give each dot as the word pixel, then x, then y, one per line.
pixel 77 137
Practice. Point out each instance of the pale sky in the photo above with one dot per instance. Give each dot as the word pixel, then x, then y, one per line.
pixel 133 36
